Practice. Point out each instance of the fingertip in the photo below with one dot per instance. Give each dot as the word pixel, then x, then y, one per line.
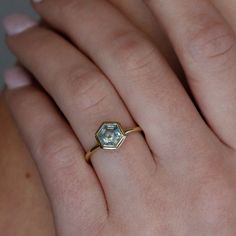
pixel 37 1
pixel 17 23
pixel 16 77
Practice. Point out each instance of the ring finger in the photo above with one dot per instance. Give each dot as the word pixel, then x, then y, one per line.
pixel 86 98
pixel 148 86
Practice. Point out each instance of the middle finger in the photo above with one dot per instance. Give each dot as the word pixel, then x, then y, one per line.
pixel 205 45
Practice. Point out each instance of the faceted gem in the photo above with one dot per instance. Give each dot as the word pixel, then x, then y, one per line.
pixel 110 135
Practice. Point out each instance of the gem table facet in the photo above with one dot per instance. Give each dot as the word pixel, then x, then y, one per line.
pixel 110 135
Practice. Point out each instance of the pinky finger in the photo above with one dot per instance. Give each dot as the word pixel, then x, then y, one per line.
pixel 74 191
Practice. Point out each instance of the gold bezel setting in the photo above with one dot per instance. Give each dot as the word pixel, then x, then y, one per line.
pixel 110 135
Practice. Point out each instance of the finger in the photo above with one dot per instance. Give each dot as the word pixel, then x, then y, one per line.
pixel 71 184
pixel 143 18
pixel 147 85
pixel 205 45
pixel 87 99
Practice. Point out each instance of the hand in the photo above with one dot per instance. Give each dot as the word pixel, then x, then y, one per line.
pixel 180 179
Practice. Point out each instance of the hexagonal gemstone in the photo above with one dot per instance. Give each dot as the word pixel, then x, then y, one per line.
pixel 110 135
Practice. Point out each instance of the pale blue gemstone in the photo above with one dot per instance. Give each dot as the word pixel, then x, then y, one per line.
pixel 110 135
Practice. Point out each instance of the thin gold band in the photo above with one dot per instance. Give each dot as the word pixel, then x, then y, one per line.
pixel 97 146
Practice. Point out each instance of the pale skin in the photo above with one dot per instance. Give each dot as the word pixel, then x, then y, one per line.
pixel 180 179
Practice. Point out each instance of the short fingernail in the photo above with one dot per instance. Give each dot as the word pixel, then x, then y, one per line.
pixel 18 23
pixel 16 77
pixel 37 1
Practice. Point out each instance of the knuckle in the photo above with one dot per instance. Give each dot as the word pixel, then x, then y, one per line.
pixel 55 149
pixel 88 89
pixel 210 41
pixel 66 7
pixel 132 50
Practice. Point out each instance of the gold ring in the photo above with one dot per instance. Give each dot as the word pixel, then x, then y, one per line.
pixel 110 136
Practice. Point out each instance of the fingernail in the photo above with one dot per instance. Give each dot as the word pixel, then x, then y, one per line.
pixel 37 1
pixel 16 77
pixel 18 23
